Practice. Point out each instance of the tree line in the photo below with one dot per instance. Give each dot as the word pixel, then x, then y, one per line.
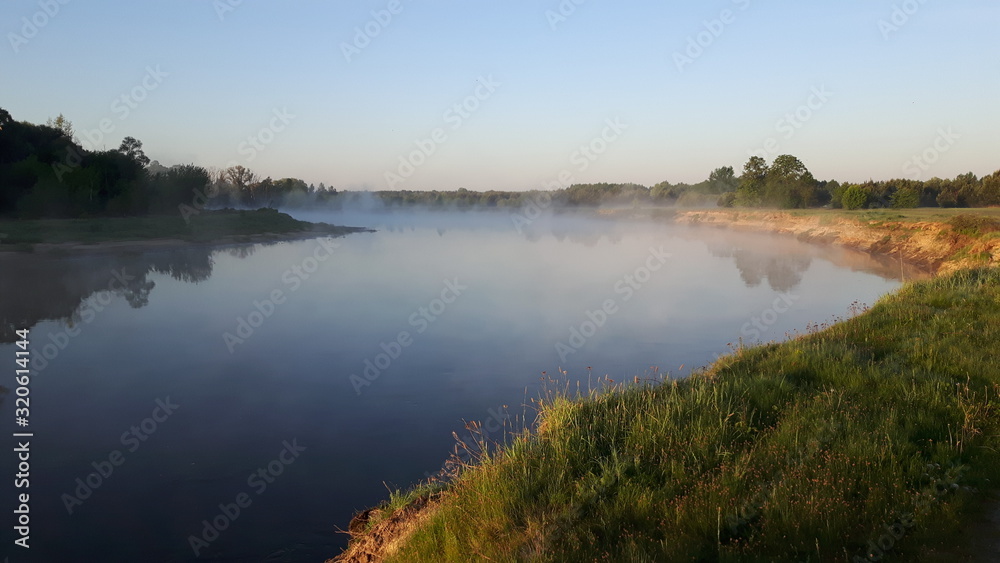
pixel 787 183
pixel 45 172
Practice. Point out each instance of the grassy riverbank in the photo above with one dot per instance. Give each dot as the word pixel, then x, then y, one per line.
pixel 881 428
pixel 938 240
pixel 227 225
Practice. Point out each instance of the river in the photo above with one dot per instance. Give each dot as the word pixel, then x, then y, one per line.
pixel 240 403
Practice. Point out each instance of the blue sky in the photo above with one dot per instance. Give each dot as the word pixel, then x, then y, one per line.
pixel 220 72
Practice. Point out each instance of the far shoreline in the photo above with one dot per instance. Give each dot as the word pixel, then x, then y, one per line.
pixel 225 227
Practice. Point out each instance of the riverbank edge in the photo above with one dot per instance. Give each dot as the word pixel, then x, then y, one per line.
pixel 156 244
pixel 933 245
pixel 247 227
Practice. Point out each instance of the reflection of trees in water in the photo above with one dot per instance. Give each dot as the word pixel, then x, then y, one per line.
pixel 190 265
pixel 782 272
pixel 35 288
pixel 791 257
pixel 136 291
pixel 241 252
pixel 587 235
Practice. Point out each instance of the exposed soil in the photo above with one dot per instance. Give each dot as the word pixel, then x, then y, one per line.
pixel 386 536
pixel 931 245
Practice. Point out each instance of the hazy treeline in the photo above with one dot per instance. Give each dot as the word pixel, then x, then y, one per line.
pixel 44 172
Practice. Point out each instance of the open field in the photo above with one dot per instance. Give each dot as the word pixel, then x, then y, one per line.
pixel 910 215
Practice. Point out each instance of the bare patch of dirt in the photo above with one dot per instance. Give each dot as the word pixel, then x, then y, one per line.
pixel 927 244
pixel 388 535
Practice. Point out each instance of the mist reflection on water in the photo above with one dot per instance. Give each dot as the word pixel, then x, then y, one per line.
pixel 159 332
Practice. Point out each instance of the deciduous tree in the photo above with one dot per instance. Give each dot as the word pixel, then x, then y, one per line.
pixel 132 148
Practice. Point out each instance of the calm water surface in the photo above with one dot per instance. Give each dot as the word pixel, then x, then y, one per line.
pixel 354 378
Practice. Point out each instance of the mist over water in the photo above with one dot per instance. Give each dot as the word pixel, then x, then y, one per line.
pixel 486 307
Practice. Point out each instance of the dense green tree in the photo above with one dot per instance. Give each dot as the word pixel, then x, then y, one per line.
pixel 933 188
pixel 132 148
pixel 592 195
pixel 789 184
pixel 837 194
pixel 727 199
pixel 665 192
pixel 989 194
pixel 906 197
pixel 824 192
pixel 722 180
pixel 968 188
pixel 45 173
pixel 5 118
pixel 661 192
pixel 949 195
pixel 177 186
pixel 854 197
pixel 750 192
pixel 261 193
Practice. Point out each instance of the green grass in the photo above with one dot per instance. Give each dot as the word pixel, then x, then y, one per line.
pixel 204 227
pixel 935 214
pixel 800 451
pixel 974 226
